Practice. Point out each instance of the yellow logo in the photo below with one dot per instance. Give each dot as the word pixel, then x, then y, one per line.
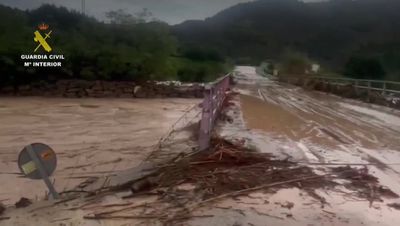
pixel 42 40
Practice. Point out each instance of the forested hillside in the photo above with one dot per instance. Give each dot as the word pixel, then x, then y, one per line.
pixel 345 36
pixel 359 38
pixel 128 48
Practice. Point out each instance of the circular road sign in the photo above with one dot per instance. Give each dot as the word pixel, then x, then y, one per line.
pixel 46 157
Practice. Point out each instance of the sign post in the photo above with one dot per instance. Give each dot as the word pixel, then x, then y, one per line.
pixel 38 161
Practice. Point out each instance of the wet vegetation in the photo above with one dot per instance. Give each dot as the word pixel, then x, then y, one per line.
pixel 126 47
pixel 354 38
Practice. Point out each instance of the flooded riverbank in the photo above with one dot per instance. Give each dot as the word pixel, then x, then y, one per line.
pixel 92 137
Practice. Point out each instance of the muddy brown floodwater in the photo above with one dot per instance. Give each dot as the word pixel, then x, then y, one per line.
pixel 92 137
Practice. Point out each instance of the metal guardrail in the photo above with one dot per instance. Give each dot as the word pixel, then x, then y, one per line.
pixel 214 96
pixel 383 86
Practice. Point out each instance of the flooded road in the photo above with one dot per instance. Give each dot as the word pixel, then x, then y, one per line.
pixel 328 128
pixel 320 130
pixel 91 137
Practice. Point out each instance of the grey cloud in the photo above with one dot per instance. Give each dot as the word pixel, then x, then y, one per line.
pixel 171 11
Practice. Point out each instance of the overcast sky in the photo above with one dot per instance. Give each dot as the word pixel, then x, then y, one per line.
pixel 171 11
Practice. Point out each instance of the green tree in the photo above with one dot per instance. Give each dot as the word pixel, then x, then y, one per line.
pixel 130 47
pixel 294 63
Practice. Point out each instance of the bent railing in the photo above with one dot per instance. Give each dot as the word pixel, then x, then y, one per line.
pixel 214 96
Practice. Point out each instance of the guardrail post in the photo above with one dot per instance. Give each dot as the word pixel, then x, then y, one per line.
pixel 326 84
pixel 356 87
pixel 214 103
pixel 384 88
pixel 369 90
pixel 206 120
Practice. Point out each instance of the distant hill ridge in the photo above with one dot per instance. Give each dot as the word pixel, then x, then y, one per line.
pixel 330 32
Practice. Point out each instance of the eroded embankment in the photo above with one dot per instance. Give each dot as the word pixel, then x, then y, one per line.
pixel 101 89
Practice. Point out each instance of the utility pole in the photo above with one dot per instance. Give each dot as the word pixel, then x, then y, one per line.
pixel 83 7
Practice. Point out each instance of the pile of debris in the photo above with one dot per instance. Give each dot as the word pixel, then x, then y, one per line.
pixel 229 170
pixel 364 184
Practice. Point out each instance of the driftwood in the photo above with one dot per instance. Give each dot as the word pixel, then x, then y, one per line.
pixel 227 171
pixel 236 193
pixel 107 206
pixel 78 191
pixel 120 210
pixel 124 217
pixel 111 217
pixel 54 204
pixel 133 195
pixel 266 214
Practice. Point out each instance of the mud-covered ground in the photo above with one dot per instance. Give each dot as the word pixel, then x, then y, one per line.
pixel 321 131
pixel 91 137
pixel 319 127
